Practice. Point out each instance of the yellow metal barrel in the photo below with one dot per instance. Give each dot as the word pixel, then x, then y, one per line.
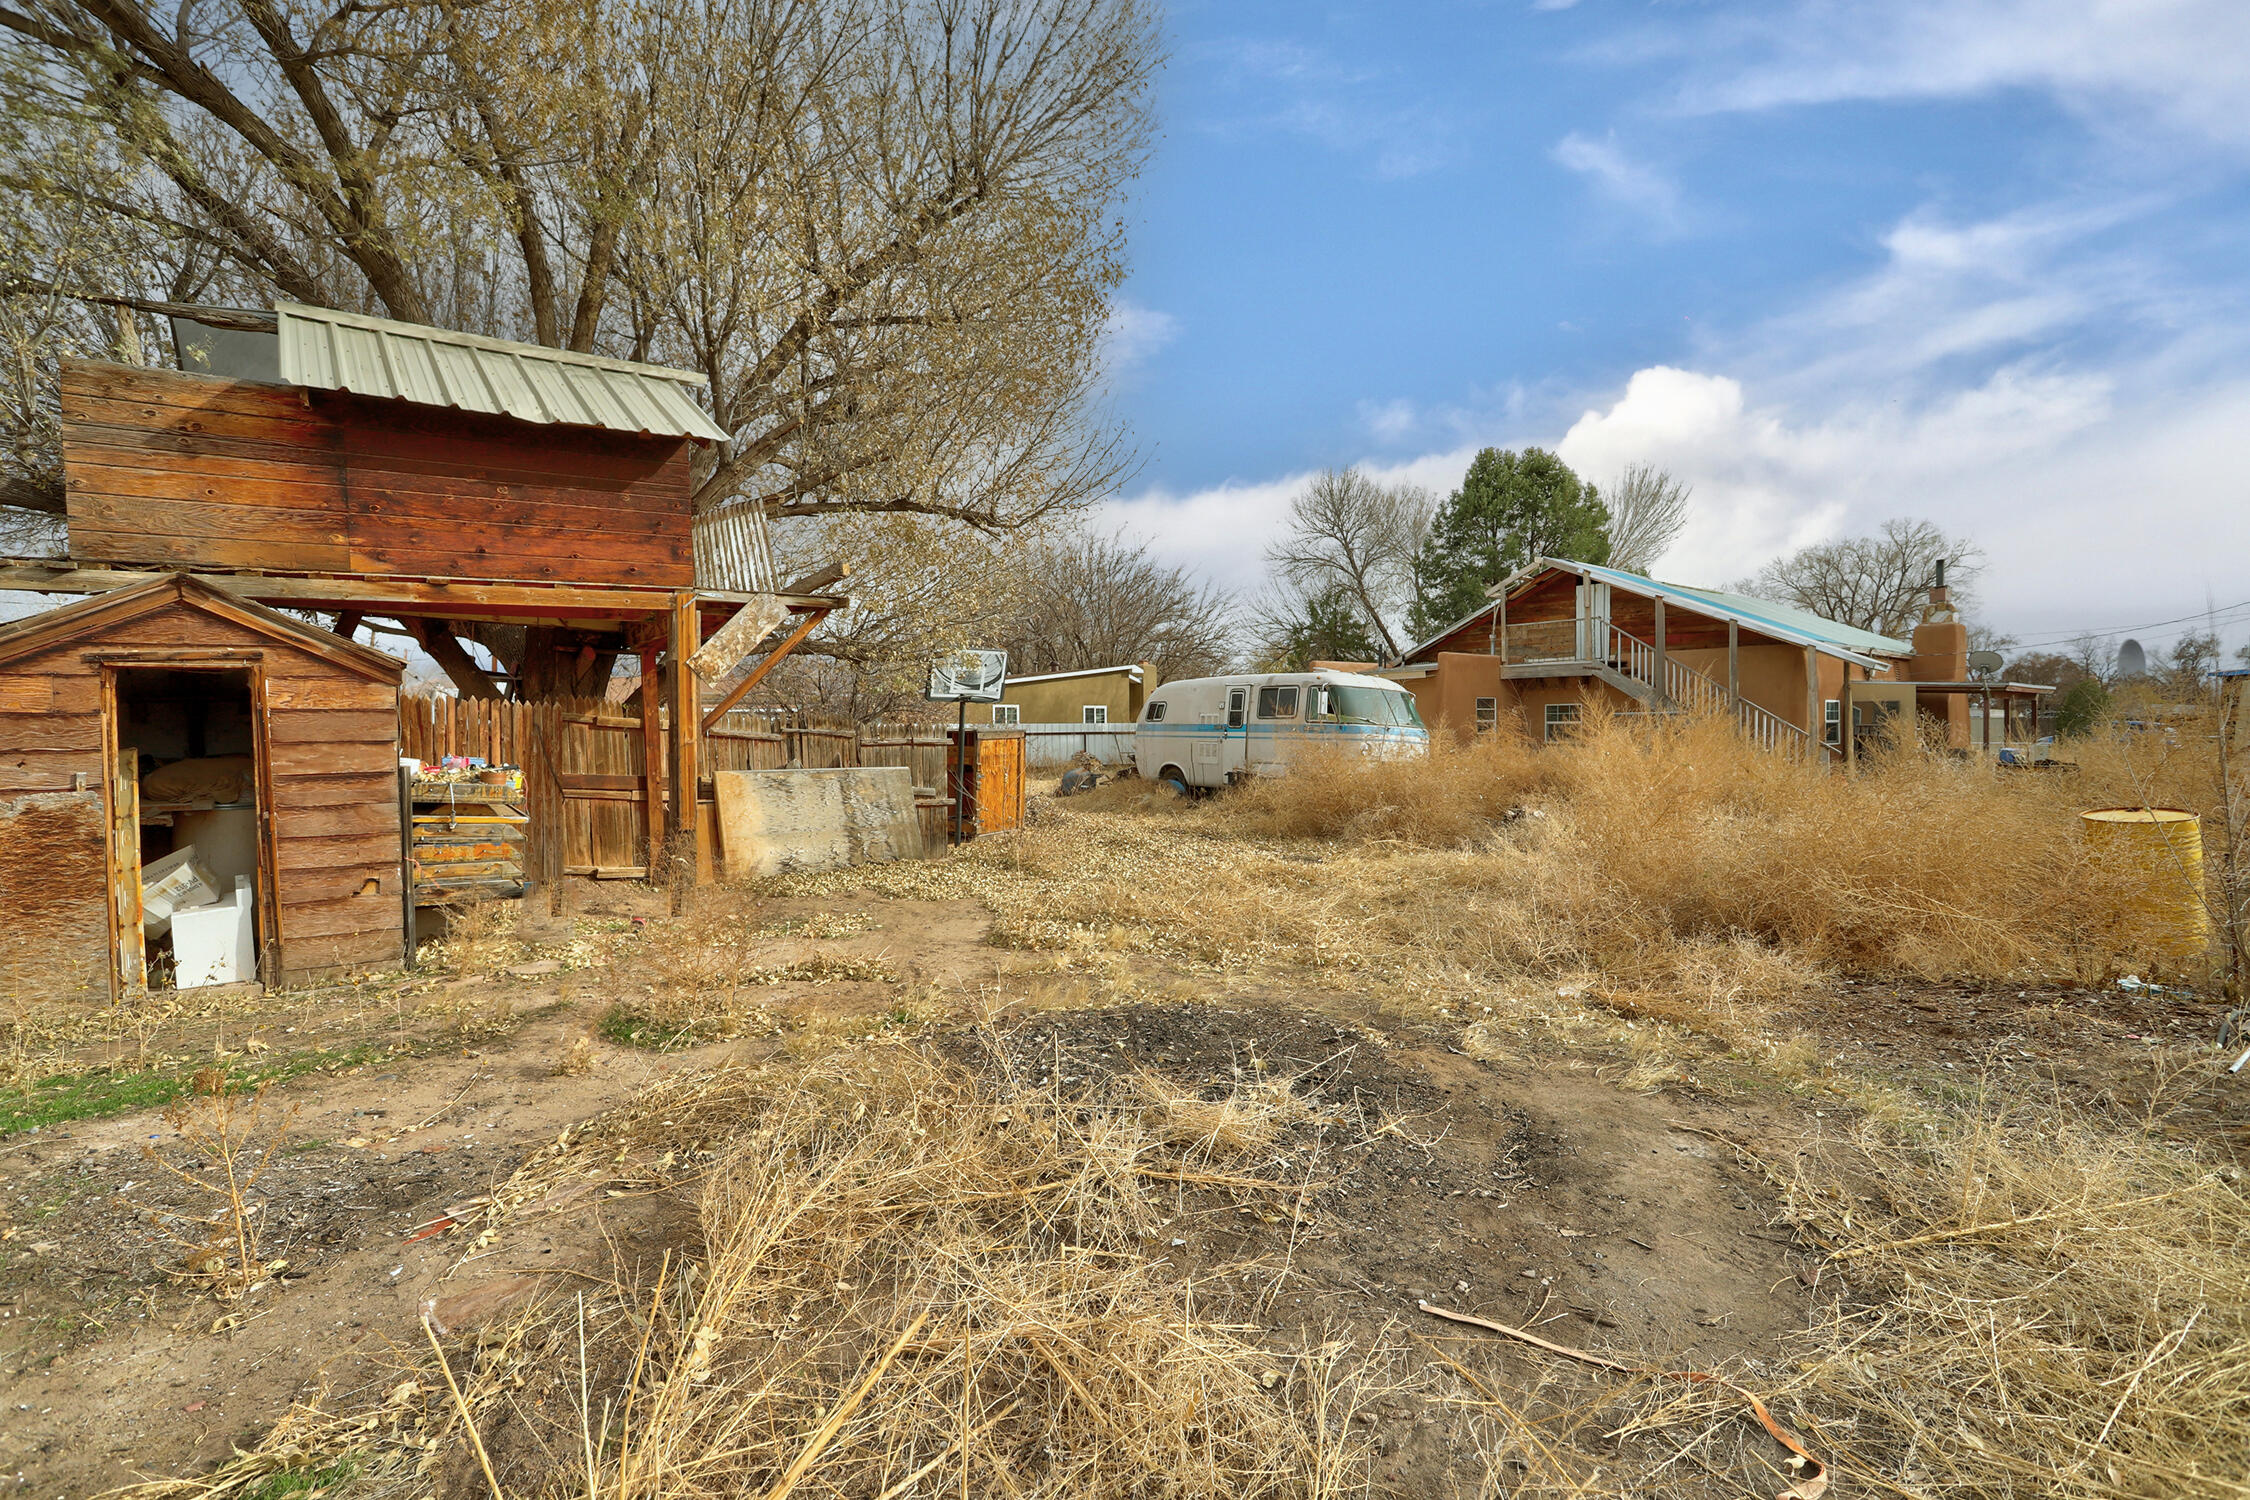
pixel 2162 849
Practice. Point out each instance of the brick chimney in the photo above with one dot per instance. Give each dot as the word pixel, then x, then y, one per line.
pixel 1941 654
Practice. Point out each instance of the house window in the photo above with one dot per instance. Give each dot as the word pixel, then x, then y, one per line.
pixel 1007 713
pixel 1277 702
pixel 1488 715
pixel 1832 722
pixel 1094 713
pixel 1154 713
pixel 1562 721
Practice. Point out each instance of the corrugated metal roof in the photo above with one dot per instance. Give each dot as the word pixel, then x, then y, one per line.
pixel 335 351
pixel 1778 620
pixel 1752 610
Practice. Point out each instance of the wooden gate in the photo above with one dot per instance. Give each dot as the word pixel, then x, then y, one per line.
pixel 591 793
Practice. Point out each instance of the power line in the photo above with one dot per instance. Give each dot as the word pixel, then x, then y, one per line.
pixel 2199 617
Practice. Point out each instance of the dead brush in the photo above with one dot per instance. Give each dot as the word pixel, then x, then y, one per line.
pixel 908 1281
pixel 234 1137
pixel 2026 1304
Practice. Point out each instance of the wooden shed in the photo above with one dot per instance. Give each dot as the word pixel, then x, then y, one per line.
pixel 168 713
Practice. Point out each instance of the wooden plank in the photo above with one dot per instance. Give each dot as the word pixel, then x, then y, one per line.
pixel 305 959
pixel 72 734
pixel 129 965
pixel 281 530
pixel 144 385
pixel 49 770
pixel 332 727
pixel 316 758
pixel 486 555
pixel 329 692
pixel 276 490
pixel 373 853
pixel 388 435
pixel 373 914
pixel 24 692
pixel 650 841
pixel 54 900
pixel 201 552
pixel 440 497
pixel 685 750
pixel 375 816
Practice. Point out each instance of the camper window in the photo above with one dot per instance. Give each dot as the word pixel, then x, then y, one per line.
pixel 1385 706
pixel 1155 712
pixel 1277 702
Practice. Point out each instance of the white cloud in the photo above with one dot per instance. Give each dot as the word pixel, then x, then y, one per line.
pixel 1132 333
pixel 1392 421
pixel 1628 183
pixel 2180 63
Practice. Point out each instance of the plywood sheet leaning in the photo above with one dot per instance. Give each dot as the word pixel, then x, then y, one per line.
pixel 795 822
pixel 54 895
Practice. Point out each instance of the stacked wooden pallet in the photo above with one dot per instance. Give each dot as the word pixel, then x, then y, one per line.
pixel 468 844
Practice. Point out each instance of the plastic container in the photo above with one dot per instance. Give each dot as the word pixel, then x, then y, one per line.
pixel 168 885
pixel 2163 848
pixel 213 944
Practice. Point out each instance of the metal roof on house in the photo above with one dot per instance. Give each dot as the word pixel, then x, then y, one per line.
pixel 1132 670
pixel 334 351
pixel 1782 622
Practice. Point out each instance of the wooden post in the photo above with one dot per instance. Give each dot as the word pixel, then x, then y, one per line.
pixel 1500 624
pixel 1663 691
pixel 1812 704
pixel 684 826
pixel 652 763
pixel 1734 664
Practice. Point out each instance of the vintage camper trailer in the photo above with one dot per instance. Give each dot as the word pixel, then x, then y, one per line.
pixel 1206 732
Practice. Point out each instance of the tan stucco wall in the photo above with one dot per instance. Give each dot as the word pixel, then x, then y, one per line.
pixel 1064 702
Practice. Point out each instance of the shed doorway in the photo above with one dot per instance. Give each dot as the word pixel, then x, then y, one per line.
pixel 187 851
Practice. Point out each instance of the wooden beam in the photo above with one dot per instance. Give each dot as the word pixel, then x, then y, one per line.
pixel 652 758
pixel 1812 703
pixel 684 827
pixel 453 598
pixel 1663 696
pixel 347 621
pixel 1734 664
pixel 437 638
pixel 757 673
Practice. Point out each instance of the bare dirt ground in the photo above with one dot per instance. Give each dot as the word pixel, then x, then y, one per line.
pixel 1549 1191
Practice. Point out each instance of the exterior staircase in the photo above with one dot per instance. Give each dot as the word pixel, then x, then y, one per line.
pixel 1629 664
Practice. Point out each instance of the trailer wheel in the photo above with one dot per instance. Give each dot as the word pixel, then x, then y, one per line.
pixel 1175 780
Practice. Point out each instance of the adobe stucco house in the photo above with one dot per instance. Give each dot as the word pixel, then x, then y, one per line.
pixel 1558 636
pixel 1097 695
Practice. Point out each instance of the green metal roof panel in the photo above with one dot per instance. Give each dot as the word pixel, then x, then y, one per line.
pixel 336 351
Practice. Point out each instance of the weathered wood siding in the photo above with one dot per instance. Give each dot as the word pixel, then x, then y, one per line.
pixel 192 470
pixel 331 739
pixel 54 895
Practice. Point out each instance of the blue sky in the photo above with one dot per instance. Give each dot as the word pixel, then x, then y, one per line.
pixel 1981 261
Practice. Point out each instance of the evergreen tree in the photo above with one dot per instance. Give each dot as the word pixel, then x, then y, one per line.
pixel 1511 507
pixel 1300 627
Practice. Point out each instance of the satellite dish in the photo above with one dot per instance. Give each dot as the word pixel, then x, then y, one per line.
pixel 968 677
pixel 1984 661
pixel 2132 661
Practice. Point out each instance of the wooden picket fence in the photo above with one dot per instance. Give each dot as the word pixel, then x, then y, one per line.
pixel 586 777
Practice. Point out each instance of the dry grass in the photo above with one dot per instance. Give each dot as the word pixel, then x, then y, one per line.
pixel 2030 1304
pixel 230 1137
pixel 903 1279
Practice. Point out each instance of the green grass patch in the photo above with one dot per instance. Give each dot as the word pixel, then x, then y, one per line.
pixel 626 1027
pixel 101 1092
pixel 284 1483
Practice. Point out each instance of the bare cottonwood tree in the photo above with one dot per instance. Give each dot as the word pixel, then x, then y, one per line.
pixel 1090 600
pixel 1648 509
pixel 1878 582
pixel 1349 538
pixel 886 230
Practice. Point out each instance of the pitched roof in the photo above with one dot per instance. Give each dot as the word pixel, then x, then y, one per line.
pixel 96 612
pixel 1781 621
pixel 334 351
